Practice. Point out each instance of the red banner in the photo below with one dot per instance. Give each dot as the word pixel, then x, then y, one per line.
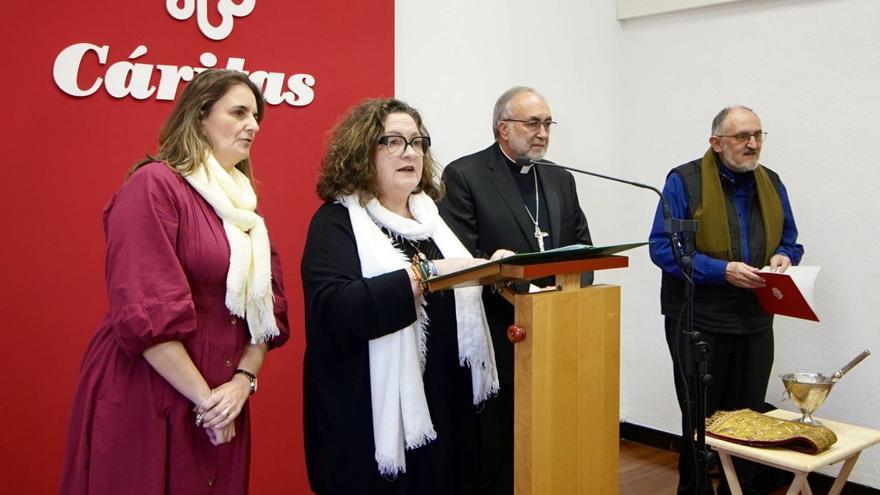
pixel 91 82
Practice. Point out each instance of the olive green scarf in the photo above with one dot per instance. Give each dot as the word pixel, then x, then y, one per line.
pixel 713 235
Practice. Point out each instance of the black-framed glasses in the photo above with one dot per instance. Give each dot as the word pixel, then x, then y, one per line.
pixel 533 124
pixel 397 144
pixel 743 137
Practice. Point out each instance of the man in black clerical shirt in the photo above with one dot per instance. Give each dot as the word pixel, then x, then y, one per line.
pixel 491 203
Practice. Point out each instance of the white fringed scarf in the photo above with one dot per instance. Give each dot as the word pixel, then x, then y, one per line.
pixel 249 280
pixel 401 419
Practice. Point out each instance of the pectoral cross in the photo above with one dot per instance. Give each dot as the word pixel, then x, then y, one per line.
pixel 539 235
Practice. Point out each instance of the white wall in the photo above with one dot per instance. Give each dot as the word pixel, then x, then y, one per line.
pixel 635 98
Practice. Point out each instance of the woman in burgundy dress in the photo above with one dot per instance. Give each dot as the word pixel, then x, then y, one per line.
pixel 196 301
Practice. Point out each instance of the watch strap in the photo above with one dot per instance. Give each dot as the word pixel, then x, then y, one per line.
pixel 250 376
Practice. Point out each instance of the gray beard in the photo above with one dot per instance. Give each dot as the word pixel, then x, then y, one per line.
pixel 538 155
pixel 739 168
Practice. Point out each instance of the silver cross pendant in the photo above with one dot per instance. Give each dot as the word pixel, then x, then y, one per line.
pixel 539 235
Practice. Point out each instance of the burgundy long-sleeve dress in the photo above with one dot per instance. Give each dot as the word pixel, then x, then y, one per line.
pixel 130 432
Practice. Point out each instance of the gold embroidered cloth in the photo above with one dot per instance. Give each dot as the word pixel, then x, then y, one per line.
pixel 748 427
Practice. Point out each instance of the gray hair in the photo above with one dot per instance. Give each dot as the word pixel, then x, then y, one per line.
pixel 502 106
pixel 718 121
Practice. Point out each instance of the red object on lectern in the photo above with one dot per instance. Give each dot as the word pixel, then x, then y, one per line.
pixel 515 333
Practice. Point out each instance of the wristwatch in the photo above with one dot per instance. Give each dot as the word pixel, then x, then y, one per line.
pixel 250 376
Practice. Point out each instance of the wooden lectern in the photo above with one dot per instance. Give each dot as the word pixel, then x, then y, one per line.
pixel 567 375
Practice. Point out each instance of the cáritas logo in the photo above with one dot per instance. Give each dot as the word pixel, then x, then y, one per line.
pixel 132 78
pixel 227 9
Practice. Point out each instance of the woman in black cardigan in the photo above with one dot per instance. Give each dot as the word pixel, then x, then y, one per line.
pixel 391 373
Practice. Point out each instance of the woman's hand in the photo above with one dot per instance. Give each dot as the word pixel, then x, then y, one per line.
pixel 455 264
pixel 222 435
pixel 225 403
pixel 444 267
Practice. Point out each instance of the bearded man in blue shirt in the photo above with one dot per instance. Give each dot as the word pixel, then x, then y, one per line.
pixel 745 223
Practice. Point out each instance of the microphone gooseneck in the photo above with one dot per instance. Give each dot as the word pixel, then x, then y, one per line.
pixel 525 161
pixel 680 231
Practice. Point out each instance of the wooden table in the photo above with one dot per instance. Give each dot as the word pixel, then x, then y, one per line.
pixel 851 441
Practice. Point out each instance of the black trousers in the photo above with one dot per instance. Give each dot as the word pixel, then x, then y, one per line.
pixel 495 443
pixel 740 368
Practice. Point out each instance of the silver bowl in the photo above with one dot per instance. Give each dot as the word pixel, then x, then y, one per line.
pixel 808 391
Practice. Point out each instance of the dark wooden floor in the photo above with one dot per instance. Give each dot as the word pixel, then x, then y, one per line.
pixel 648 471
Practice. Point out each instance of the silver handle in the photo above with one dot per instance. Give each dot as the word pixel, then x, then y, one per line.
pixel 858 359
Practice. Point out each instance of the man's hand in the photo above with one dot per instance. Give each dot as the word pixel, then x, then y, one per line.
pixel 779 263
pixel 743 275
pixel 501 254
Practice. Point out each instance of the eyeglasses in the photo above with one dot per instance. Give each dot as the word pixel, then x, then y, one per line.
pixel 533 124
pixel 743 137
pixel 397 144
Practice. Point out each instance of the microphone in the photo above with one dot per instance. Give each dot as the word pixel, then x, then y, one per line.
pixel 671 226
pixel 525 161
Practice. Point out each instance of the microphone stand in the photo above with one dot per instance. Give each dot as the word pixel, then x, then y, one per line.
pixel 694 360
pixel 693 357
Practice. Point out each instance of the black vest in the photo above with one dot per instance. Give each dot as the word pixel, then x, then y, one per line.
pixel 721 308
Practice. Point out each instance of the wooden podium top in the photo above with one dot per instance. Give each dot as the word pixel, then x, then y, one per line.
pixel 493 273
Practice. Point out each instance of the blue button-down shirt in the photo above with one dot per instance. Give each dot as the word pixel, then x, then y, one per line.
pixel 708 270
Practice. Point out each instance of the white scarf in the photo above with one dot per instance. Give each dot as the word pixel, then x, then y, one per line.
pixel 249 280
pixel 400 411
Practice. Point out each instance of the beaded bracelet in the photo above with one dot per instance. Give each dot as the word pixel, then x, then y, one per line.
pixel 422 270
pixel 423 266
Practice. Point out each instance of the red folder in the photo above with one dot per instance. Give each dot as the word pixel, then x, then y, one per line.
pixel 782 296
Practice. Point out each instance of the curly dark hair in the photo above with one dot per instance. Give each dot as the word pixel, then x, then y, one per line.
pixel 347 166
